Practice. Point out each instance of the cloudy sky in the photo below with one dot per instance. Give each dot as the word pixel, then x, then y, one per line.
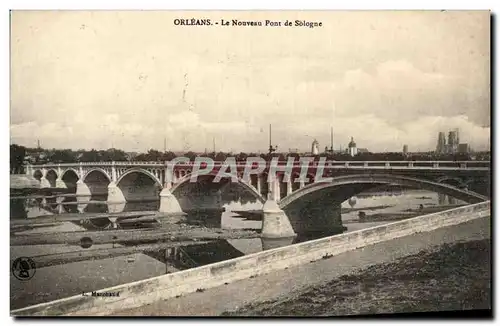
pixel 130 79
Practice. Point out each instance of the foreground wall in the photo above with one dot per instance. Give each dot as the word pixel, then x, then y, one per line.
pixel 167 286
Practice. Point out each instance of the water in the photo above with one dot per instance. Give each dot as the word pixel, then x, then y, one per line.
pixel 73 278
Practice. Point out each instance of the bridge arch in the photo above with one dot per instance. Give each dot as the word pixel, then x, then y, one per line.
pixel 204 199
pixel 316 208
pixel 70 178
pixel 336 188
pixel 94 172
pixel 69 170
pixel 138 170
pixel 208 178
pixel 97 181
pixel 137 184
pixel 37 174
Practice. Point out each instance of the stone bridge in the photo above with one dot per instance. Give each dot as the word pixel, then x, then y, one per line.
pixel 289 206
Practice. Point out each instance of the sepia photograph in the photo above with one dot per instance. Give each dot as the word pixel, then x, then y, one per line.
pixel 284 163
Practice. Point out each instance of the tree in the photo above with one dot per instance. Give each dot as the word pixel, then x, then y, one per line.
pixel 168 156
pixel 118 155
pixel 154 155
pixel 191 155
pixel 17 154
pixel 241 157
pixel 252 154
pixel 90 156
pixel 141 158
pixel 63 156
pixel 220 157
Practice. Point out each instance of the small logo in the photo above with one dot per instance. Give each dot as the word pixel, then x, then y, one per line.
pixel 23 268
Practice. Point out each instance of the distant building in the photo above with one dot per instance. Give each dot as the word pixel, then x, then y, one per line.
pixel 441 144
pixel 352 149
pixel 405 150
pixel 315 147
pixel 363 150
pixel 450 146
pixel 453 141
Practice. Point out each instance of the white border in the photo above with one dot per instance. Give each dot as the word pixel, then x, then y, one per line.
pixel 199 4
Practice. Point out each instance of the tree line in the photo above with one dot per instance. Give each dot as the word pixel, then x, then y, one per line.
pixel 20 155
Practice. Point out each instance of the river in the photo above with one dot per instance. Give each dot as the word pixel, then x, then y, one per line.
pixel 62 280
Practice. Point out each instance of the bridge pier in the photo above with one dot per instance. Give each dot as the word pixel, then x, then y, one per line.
pixel 115 195
pixel 168 202
pixel 82 189
pixel 275 223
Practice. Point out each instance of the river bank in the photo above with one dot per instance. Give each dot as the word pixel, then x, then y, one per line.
pixel 450 277
pixel 285 284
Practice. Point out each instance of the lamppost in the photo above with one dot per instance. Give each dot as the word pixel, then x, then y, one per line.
pixel 272 148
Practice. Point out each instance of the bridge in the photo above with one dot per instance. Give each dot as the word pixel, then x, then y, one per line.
pixel 290 205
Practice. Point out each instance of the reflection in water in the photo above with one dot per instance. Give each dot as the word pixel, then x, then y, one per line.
pixel 445 199
pixel 212 252
pixel 73 204
pixel 234 200
pixel 185 257
pixel 397 203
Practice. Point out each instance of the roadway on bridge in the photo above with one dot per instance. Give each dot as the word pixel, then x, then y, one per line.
pixel 289 282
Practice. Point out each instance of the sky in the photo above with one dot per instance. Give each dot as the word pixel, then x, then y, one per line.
pixel 134 79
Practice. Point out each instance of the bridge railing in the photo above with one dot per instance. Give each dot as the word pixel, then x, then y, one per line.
pixel 416 165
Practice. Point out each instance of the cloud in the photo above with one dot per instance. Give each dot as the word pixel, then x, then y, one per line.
pixel 399 92
pixel 188 132
pixel 385 79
